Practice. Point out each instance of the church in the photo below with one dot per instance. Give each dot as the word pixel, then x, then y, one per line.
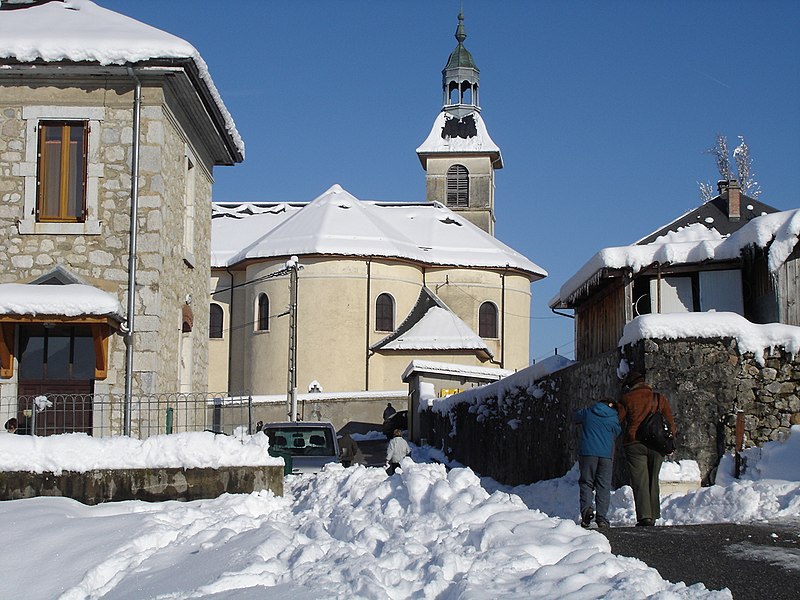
pixel 341 294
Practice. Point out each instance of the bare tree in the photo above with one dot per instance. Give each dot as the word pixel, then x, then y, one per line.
pixel 744 169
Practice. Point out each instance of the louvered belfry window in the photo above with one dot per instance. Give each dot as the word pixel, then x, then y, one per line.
pixel 61 194
pixel 458 186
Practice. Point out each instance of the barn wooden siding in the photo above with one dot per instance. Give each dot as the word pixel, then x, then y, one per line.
pixel 600 321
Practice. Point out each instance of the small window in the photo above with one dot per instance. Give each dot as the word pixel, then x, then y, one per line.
pixel 61 179
pixel 384 313
pixel 262 313
pixel 215 322
pixel 487 320
pixel 458 186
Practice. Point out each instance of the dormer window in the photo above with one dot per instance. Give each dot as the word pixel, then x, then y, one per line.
pixel 458 186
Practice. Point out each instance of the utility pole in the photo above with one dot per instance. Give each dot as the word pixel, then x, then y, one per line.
pixel 293 266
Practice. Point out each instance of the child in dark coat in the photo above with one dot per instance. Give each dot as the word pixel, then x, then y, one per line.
pixel 600 428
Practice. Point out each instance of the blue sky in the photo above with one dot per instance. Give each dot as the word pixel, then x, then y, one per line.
pixel 602 109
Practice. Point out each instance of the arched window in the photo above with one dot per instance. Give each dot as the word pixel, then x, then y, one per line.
pixel 384 313
pixel 215 322
pixel 458 186
pixel 487 320
pixel 262 313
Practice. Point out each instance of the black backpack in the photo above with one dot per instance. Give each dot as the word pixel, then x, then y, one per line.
pixel 654 432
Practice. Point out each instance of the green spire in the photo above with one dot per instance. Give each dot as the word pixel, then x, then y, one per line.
pixel 460 57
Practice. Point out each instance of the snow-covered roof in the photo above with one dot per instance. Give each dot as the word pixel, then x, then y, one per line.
pixel 440 368
pixel 72 300
pixel 338 223
pixel 432 326
pixel 439 329
pixel 710 325
pixel 82 31
pixel 437 142
pixel 693 244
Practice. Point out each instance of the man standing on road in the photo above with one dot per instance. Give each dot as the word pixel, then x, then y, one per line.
pixel 643 463
pixel 396 451
pixel 600 428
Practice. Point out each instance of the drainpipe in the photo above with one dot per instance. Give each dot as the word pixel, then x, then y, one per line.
pixel 128 330
pixel 369 318
pixel 230 338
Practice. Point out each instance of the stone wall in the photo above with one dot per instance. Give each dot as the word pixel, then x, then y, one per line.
pixel 152 485
pixel 529 434
pixel 167 273
pixel 707 382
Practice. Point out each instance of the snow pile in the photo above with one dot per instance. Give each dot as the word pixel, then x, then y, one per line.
pixel 424 533
pixel 70 300
pixel 680 471
pixel 80 453
pixel 768 491
pixel 779 231
pixel 749 336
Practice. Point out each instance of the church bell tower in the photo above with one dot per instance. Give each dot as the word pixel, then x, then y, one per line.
pixel 458 155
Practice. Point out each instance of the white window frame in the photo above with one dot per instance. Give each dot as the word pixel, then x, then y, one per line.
pixel 33 115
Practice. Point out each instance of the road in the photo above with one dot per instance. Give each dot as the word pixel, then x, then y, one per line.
pixel 754 561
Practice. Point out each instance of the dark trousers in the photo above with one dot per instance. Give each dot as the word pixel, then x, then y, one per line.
pixel 595 484
pixel 644 466
pixel 392 468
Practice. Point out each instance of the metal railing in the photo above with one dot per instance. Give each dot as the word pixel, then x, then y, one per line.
pixel 103 415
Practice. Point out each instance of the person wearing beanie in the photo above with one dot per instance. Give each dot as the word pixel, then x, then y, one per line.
pixel 600 429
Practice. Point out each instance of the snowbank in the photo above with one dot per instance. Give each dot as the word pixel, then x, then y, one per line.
pixel 79 452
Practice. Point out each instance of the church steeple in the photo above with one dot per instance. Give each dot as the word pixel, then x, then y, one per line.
pixel 458 155
pixel 460 78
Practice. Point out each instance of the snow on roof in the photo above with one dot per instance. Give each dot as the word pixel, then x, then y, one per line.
pixel 749 336
pixel 82 31
pixel 508 386
pixel 692 244
pixel 70 300
pixel 338 223
pixel 314 396
pixel 438 329
pixel 428 366
pixel 481 142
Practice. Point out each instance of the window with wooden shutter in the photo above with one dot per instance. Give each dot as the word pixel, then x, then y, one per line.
pixel 61 177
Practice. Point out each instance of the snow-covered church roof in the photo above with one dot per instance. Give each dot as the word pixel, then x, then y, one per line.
pixel 81 31
pixel 696 243
pixel 338 223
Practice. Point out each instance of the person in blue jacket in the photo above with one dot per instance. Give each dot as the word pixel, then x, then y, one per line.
pixel 600 429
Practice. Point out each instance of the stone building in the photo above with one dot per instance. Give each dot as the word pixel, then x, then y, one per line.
pixel 100 116
pixel 381 284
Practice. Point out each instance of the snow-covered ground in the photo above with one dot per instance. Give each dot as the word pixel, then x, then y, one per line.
pixel 355 533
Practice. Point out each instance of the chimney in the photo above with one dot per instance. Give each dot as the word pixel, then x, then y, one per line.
pixel 733 191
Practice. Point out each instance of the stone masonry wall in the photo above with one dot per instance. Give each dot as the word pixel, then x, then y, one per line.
pixel 164 278
pixel 529 434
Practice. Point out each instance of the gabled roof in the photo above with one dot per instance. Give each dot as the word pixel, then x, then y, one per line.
pixel 694 244
pixel 338 223
pixel 80 31
pixel 432 326
pixel 714 215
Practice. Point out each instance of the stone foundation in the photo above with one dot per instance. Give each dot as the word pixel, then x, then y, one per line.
pixel 152 485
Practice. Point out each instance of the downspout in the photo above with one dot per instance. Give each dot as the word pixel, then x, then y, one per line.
pixel 503 312
pixel 230 335
pixel 128 330
pixel 369 317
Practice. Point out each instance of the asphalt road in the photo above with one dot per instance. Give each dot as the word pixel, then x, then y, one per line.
pixel 754 561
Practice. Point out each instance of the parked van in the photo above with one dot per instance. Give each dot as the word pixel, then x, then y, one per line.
pixel 311 445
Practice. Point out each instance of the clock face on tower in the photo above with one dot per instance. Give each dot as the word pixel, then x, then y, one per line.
pixel 463 128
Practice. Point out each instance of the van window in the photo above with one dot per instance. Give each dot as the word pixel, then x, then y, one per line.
pixel 302 441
